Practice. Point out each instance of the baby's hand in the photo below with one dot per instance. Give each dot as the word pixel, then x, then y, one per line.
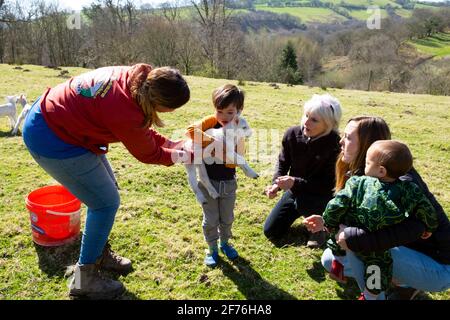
pixel 426 235
pixel 314 223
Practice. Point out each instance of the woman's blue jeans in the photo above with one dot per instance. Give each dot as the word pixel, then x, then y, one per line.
pixel 410 268
pixel 88 177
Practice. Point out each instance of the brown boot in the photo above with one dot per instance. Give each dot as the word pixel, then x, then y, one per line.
pixel 317 240
pixel 113 262
pixel 88 283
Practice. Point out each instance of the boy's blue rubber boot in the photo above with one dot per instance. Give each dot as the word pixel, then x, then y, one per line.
pixel 212 258
pixel 229 251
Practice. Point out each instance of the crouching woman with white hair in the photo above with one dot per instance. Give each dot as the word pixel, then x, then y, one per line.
pixel 306 168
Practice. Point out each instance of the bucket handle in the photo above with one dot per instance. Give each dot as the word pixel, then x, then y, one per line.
pixel 63 213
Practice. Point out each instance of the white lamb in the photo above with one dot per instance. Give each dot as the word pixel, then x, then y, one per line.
pixel 226 138
pixel 26 108
pixel 9 110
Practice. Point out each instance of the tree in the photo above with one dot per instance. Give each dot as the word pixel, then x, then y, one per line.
pixel 213 19
pixel 309 56
pixel 264 52
pixel 289 72
pixel 188 50
pixel 110 38
pixel 289 57
pixel 425 23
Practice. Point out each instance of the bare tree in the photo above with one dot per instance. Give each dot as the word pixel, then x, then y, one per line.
pixel 213 18
pixel 157 41
pixel 171 10
pixel 112 28
pixel 188 50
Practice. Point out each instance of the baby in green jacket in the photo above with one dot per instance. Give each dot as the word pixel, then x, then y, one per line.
pixel 374 201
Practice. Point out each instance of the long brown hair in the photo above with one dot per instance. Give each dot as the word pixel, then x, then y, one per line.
pixel 369 129
pixel 157 87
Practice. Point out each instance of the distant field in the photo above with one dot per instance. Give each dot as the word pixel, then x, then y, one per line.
pixel 313 14
pixel 306 14
pixel 364 2
pixel 310 14
pixel 437 45
pixel 363 14
pixel 403 13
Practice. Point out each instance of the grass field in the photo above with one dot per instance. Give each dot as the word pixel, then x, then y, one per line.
pixel 364 15
pixel 159 223
pixel 437 45
pixel 312 14
pixel 306 14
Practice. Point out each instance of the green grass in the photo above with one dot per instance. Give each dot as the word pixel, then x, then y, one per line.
pixel 364 15
pixel 338 2
pixel 424 6
pixel 403 12
pixel 159 223
pixel 437 45
pixel 364 2
pixel 306 14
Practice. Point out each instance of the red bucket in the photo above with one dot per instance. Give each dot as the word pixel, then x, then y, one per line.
pixel 54 215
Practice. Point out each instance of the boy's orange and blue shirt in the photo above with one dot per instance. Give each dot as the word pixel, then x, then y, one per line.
pixel 198 130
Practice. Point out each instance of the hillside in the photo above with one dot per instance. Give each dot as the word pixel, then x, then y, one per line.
pixel 413 52
pixel 159 223
pixel 337 10
pixel 437 45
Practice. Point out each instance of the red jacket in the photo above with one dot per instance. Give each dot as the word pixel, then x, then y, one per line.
pixel 96 108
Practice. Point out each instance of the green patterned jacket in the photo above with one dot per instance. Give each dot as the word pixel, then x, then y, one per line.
pixel 368 203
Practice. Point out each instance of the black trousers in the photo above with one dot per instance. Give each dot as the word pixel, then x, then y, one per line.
pixel 289 208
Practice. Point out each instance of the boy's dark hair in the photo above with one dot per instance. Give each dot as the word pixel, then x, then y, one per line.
pixel 228 94
pixel 394 156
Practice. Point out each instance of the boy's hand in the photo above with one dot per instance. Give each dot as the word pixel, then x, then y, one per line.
pixel 426 235
pixel 314 223
pixel 285 182
pixel 271 191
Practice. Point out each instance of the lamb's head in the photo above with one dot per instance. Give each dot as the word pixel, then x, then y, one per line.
pixel 238 128
pixel 22 100
pixel 243 127
pixel 11 99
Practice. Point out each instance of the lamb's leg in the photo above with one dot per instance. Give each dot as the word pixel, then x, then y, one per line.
pixel 204 179
pixel 12 122
pixel 242 163
pixel 19 120
pixel 192 179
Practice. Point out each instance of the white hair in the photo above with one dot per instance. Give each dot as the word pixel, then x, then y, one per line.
pixel 327 108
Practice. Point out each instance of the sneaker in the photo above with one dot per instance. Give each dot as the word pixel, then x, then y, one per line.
pixel 229 251
pixel 337 272
pixel 211 259
pixel 317 240
pixel 402 293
